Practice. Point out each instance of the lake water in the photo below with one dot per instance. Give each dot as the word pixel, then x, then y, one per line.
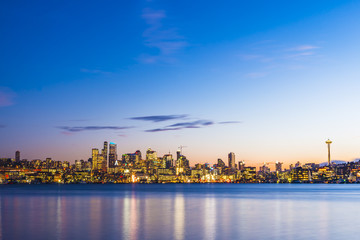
pixel 180 211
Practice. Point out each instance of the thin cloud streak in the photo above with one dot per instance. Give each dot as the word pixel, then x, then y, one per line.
pixel 194 124
pixel 163 129
pixel 304 48
pixel 166 41
pixel 230 122
pixel 159 118
pixel 91 128
pixel 183 125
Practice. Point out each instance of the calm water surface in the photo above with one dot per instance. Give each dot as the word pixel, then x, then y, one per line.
pixel 180 211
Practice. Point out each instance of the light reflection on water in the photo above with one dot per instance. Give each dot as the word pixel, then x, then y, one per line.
pixel 206 211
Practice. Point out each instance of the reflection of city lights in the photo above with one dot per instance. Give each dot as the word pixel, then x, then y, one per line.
pixel 133 178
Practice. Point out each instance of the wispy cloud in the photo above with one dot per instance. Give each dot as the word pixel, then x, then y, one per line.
pixel 166 40
pixel 182 125
pixel 269 57
pixel 299 55
pixel 91 128
pixel 2 126
pixel 230 122
pixel 162 129
pixel 6 97
pixel 194 124
pixel 303 48
pixel 159 118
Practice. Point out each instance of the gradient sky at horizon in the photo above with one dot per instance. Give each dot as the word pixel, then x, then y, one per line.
pixel 267 80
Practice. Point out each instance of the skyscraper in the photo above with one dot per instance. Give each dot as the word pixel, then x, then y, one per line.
pixel 112 154
pixel 104 157
pixel 178 154
pixel 241 165
pixel 232 160
pixel 17 156
pixel 169 162
pixel 151 155
pixel 138 156
pixel 95 158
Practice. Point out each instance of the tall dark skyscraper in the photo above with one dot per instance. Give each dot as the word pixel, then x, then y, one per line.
pixel 112 154
pixel 105 157
pixel 17 156
pixel 232 160
pixel 178 154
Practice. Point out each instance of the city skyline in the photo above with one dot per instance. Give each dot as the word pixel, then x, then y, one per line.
pixel 108 157
pixel 267 81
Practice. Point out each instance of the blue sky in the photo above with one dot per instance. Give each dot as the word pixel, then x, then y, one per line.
pixel 283 75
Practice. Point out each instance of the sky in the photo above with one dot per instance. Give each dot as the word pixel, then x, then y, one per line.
pixel 267 80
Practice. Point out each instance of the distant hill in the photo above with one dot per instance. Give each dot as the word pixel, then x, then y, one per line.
pixel 335 162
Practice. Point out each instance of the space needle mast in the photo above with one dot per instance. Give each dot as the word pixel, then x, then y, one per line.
pixel 328 142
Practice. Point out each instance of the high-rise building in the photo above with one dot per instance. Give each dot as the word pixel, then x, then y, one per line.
pixel 112 154
pixel 169 162
pixel 17 156
pixel 95 158
pixel 241 165
pixel 278 166
pixel 232 160
pixel 178 154
pixel 151 155
pixel 138 156
pixel 104 157
pixel 220 163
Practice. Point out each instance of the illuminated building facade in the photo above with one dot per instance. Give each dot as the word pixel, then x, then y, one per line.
pixel 95 158
pixel 104 155
pixel 169 161
pixel 112 154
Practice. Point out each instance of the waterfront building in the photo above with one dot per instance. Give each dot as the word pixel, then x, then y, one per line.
pixel 300 174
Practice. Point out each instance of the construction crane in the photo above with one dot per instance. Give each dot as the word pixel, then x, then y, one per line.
pixel 181 148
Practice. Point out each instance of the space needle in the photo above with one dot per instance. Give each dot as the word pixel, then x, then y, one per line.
pixel 328 142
